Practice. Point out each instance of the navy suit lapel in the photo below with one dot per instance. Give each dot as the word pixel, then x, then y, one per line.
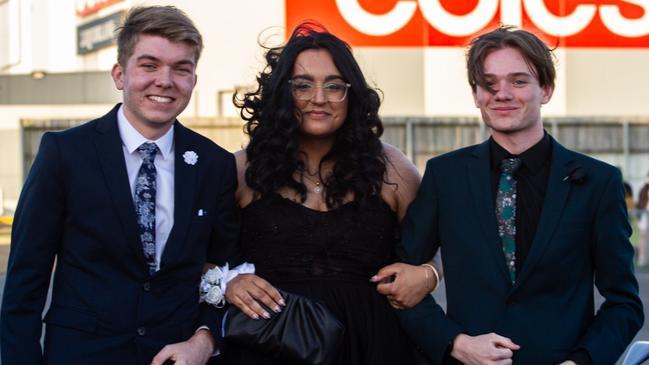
pixel 480 186
pixel 185 180
pixel 554 202
pixel 111 158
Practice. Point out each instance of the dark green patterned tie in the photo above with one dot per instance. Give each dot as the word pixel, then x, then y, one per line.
pixel 506 212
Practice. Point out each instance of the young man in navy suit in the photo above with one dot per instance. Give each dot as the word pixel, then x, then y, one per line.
pixel 525 226
pixel 130 206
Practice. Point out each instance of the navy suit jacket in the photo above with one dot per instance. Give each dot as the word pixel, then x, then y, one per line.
pixel 76 216
pixel 582 239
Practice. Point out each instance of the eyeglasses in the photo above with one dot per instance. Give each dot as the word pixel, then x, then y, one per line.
pixel 306 90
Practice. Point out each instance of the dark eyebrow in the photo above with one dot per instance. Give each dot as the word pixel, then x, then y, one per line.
pixel 310 78
pixel 304 77
pixel 519 74
pixel 513 74
pixel 334 77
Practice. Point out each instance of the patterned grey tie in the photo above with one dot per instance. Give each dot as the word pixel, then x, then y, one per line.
pixel 145 191
pixel 506 212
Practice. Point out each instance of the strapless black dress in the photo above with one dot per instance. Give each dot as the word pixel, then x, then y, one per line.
pixel 329 256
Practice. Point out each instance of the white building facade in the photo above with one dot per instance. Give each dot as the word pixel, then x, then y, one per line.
pixel 55 58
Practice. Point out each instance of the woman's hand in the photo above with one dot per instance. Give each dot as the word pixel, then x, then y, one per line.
pixel 410 285
pixel 246 291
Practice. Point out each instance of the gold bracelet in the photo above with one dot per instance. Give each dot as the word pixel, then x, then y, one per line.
pixel 435 273
pixel 426 272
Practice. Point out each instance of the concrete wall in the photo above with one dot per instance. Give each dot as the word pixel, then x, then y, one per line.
pixel 10 184
pixel 608 83
pixel 11 149
pixel 59 88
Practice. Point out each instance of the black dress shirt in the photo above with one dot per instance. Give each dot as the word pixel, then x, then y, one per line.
pixel 532 181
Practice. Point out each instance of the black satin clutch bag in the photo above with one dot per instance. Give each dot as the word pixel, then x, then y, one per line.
pixel 305 331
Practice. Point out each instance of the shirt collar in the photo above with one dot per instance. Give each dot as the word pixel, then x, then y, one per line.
pixel 533 158
pixel 132 139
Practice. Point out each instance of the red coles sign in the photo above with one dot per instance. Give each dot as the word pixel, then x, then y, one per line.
pixel 88 7
pixel 420 23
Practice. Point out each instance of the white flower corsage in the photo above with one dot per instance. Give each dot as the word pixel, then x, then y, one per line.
pixel 190 157
pixel 214 282
pixel 212 286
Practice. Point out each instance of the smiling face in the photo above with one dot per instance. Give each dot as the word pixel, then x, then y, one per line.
pixel 512 109
pixel 157 83
pixel 320 118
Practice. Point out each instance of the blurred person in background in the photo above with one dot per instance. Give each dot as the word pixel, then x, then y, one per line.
pixel 633 219
pixel 643 222
pixel 628 196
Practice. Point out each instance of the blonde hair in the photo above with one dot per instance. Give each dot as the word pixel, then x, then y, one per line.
pixel 167 22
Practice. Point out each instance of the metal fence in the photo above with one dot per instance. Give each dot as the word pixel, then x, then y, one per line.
pixel 227 132
pixel 623 142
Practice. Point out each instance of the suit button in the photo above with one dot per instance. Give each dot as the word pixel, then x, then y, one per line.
pixel 146 286
pixel 141 331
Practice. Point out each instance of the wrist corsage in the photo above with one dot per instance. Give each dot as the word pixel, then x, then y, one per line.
pixel 215 280
pixel 212 287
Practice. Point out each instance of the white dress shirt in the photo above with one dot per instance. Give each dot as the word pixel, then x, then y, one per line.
pixel 164 164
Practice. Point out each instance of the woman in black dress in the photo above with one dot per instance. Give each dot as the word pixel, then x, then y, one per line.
pixel 321 197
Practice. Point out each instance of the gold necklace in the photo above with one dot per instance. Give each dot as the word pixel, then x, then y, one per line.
pixel 318 184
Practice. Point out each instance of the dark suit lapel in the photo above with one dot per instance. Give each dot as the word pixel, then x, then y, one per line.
pixel 185 180
pixel 480 186
pixel 111 158
pixel 555 199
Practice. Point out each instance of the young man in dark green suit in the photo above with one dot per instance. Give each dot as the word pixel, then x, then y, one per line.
pixel 525 227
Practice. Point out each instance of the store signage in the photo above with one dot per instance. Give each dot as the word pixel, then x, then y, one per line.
pixel 88 7
pixel 98 33
pixel 567 23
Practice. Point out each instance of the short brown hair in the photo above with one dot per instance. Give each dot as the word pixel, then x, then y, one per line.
pixel 167 22
pixel 538 56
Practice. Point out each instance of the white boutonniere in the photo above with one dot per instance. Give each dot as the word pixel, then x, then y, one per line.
pixel 190 157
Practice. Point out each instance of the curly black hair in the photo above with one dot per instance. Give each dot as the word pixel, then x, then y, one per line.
pixel 272 123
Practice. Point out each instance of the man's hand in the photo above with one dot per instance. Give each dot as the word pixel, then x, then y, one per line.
pixel 490 349
pixel 195 351
pixel 411 284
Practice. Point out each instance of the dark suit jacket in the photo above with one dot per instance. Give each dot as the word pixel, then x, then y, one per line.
pixel 76 207
pixel 582 238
